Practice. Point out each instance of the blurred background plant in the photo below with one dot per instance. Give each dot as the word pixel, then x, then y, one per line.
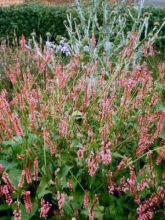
pixel 102 28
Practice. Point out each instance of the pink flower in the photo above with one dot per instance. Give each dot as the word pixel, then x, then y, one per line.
pixel 105 132
pixel 132 180
pixel 145 50
pixel 151 52
pixel 22 179
pixel 47 56
pixel 47 140
pixel 106 156
pixel 161 156
pixel 61 199
pixel 63 128
pixel 12 76
pixel 143 185
pixel 32 116
pixel 7 181
pixel 16 124
pixel 106 105
pixel 80 153
pixel 92 166
pixel 61 76
pixel 21 101
pixel 124 185
pixel 122 163
pixel 1 168
pixel 91 214
pixel 111 184
pixel 18 70
pixel 45 208
pixel 5 192
pixel 111 188
pixel 27 201
pixel 17 212
pixel 92 169
pixel 90 133
pixel 23 42
pixel 35 178
pixel 86 99
pixel 160 123
pixel 28 175
pixel 86 200
pixel 70 185
pixel 93 41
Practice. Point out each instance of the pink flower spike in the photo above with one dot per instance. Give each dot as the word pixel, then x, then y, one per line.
pixel 35 178
pixel 80 153
pixel 85 201
pixel 27 201
pixel 45 208
pixel 61 200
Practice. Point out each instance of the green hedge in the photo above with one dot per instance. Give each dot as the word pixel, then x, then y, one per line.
pixel 158 15
pixel 42 18
pixel 28 17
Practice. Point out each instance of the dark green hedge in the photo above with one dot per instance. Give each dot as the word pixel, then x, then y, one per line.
pixel 42 18
pixel 28 17
pixel 158 16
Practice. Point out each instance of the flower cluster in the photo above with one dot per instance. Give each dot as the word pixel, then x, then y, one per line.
pixel 82 135
pixel 63 47
pixel 45 208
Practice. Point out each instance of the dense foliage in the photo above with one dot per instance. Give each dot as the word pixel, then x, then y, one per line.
pixel 113 26
pixel 23 19
pixel 79 140
pixel 82 137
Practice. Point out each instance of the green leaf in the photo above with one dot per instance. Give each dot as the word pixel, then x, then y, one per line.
pixel 4 207
pixel 99 212
pixel 7 165
pixel 14 143
pixel 25 216
pixel 116 155
pixel 78 200
pixel 68 211
pixel 5 218
pixel 14 175
pixel 42 189
pixel 64 171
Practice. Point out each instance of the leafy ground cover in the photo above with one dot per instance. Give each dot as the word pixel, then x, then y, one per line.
pixel 82 136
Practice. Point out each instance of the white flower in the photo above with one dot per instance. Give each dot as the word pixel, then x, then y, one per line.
pixel 107 46
pixel 76 48
pixel 86 48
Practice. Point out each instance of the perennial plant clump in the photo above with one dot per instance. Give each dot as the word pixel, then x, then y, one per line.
pixel 82 140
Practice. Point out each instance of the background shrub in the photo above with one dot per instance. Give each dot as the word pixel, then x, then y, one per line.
pixel 158 17
pixel 23 19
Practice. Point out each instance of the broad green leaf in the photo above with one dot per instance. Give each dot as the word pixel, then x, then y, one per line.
pixel 15 143
pixel 42 189
pixel 14 175
pixel 116 155
pixel 4 207
pixel 99 212
pixel 7 165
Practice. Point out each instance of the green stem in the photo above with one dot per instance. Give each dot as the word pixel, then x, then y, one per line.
pixel 132 162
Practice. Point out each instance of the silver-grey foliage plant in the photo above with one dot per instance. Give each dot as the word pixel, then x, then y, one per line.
pixel 112 34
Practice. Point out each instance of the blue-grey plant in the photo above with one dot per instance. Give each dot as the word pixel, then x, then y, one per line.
pixel 111 33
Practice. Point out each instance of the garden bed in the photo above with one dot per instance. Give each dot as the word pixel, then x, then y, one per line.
pixel 82 121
